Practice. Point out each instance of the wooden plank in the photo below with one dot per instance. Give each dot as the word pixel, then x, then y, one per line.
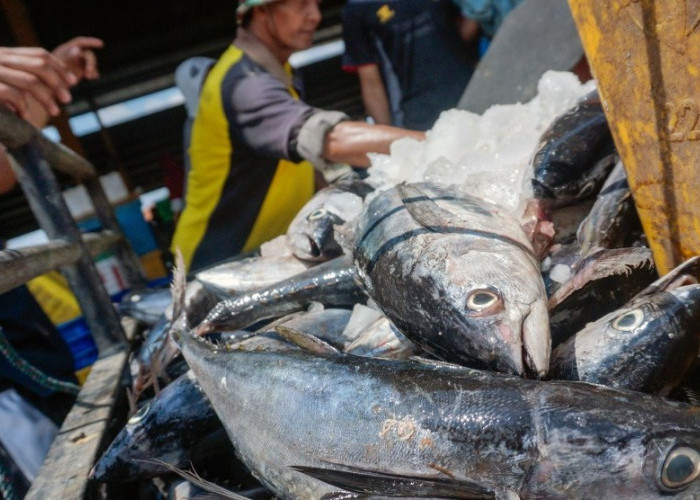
pixel 64 473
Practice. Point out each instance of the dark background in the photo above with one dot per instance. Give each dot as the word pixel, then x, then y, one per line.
pixel 144 43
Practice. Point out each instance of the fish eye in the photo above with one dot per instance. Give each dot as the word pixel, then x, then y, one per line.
pixel 587 189
pixel 628 321
pixel 481 300
pixel 138 416
pixel 682 467
pixel 317 214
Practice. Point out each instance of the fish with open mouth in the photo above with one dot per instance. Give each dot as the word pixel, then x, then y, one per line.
pixel 457 276
pixel 312 233
pixel 329 424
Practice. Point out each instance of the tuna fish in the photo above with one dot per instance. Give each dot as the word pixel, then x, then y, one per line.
pixel 575 154
pixel 332 283
pixel 167 428
pixel 250 273
pixel 600 284
pixel 613 220
pixel 648 345
pixel 412 429
pixel 146 306
pixel 312 233
pixel 457 276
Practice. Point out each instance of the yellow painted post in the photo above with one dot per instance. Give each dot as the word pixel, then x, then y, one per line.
pixel 645 56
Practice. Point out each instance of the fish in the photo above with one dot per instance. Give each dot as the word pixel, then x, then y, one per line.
pixel 333 283
pixel 146 306
pixel 612 221
pixel 329 424
pixel 157 350
pixel 370 333
pixel 689 389
pixel 648 345
pixel 575 154
pixel 250 273
pixel 312 234
pixel 457 276
pixel 167 428
pixel 601 283
pixel 172 425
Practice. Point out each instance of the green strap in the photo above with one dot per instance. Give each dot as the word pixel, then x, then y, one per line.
pixel 33 373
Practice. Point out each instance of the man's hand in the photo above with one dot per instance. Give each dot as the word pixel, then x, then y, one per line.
pixel 79 56
pixel 34 73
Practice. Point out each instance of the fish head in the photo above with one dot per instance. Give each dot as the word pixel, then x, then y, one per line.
pixel 647 345
pixel 502 299
pixel 559 184
pixel 621 442
pixel 312 232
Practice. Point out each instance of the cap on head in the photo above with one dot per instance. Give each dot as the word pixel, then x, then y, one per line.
pixel 245 5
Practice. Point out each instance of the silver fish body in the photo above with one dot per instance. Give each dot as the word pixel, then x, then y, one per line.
pixel 312 233
pixel 333 283
pixel 375 425
pixel 250 273
pixel 648 345
pixel 457 276
pixel 146 306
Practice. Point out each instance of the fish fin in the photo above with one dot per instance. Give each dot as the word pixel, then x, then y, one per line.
pixel 305 340
pixel 684 274
pixel 393 485
pixel 423 209
pixel 178 289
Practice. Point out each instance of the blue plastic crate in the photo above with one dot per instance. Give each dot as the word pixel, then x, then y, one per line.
pixel 77 336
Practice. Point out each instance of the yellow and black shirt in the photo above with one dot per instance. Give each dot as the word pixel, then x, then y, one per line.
pixel 248 175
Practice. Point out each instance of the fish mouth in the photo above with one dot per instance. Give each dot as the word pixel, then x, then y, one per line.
pixel 314 249
pixel 536 346
pixel 542 191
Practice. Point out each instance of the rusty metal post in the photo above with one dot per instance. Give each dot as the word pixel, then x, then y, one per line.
pixel 645 55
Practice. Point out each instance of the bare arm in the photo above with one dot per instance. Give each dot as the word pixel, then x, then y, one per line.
pixel 374 94
pixel 350 141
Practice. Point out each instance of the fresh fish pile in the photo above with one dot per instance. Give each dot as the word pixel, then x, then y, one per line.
pixel 357 355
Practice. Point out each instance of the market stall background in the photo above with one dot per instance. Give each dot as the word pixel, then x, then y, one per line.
pixel 144 43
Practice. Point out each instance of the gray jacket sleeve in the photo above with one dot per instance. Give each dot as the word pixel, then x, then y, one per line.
pixel 311 138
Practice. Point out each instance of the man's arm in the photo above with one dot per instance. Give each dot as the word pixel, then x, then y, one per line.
pixel 350 141
pixel 374 94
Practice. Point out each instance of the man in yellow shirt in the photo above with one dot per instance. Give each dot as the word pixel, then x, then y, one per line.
pixel 254 143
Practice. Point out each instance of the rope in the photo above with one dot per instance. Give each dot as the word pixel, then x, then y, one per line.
pixel 33 373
